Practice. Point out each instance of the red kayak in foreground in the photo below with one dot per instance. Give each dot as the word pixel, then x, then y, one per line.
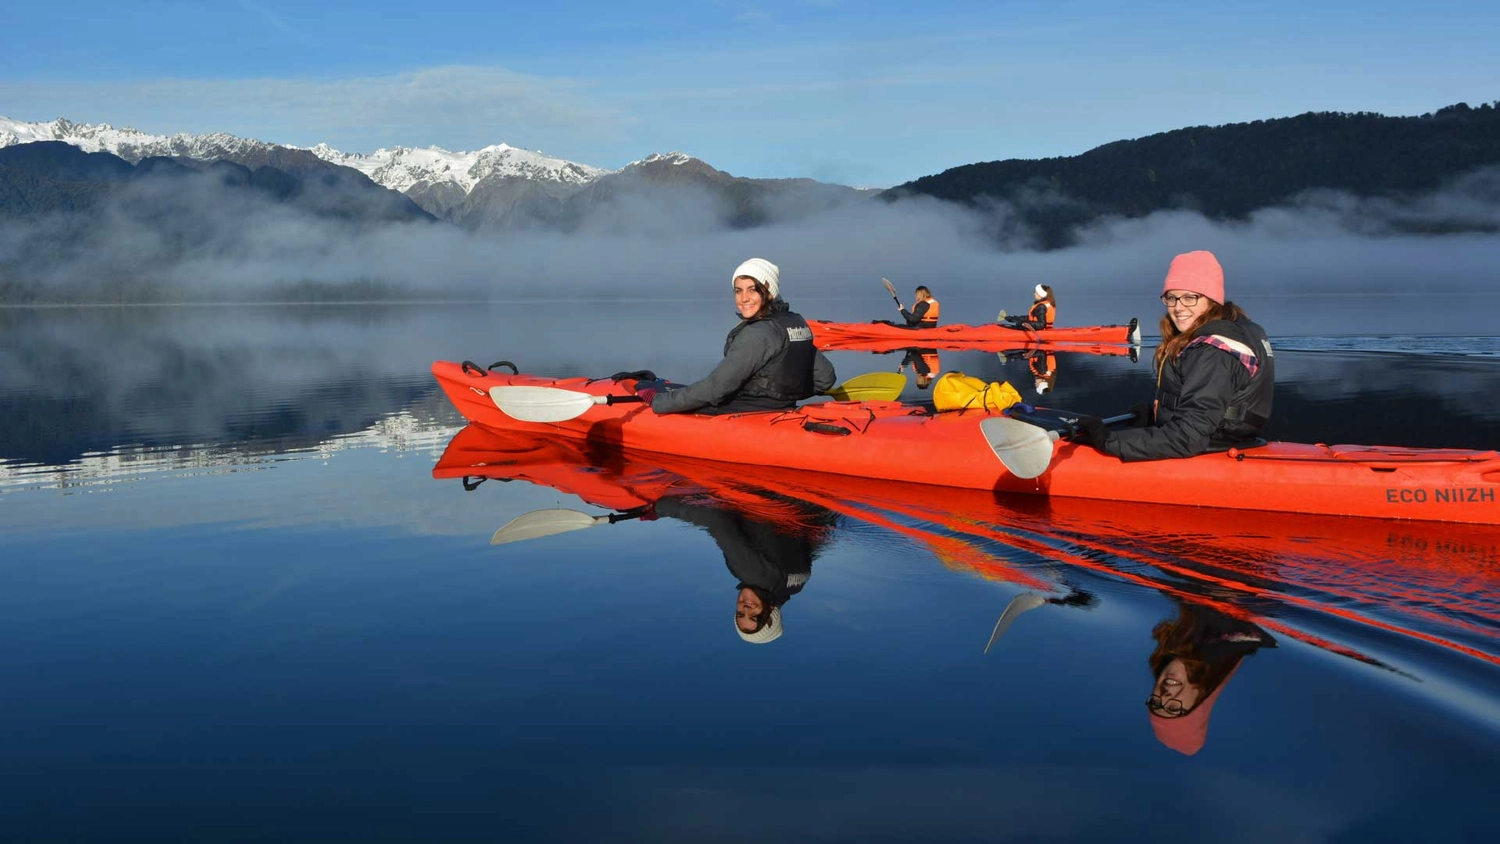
pixel 849 335
pixel 901 442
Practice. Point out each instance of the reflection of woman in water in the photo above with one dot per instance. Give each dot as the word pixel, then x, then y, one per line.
pixel 770 553
pixel 924 363
pixel 1196 654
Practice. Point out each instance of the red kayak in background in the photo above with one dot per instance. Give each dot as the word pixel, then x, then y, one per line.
pixel 849 335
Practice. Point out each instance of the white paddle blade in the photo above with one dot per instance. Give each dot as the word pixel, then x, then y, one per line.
pixel 540 523
pixel 1024 449
pixel 1135 336
pixel 542 404
pixel 889 286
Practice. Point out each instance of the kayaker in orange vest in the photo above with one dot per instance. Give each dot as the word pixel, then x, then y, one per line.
pixel 1043 311
pixel 924 363
pixel 923 314
pixel 770 362
pixel 1196 654
pixel 1215 373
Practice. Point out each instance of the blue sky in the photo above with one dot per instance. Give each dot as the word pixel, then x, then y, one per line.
pixel 866 93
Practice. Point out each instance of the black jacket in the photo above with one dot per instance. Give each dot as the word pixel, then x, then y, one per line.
pixel 770 363
pixel 1215 394
pixel 914 316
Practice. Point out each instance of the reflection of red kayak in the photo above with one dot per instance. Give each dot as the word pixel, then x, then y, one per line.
pixel 848 335
pixel 1016 347
pixel 903 442
pixel 1401 577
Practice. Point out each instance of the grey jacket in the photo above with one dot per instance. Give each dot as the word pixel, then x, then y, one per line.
pixel 751 347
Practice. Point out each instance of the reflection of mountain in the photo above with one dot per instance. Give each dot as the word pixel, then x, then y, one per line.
pixel 74 382
pixel 399 432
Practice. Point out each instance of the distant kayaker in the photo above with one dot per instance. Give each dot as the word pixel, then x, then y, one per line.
pixel 770 362
pixel 1196 654
pixel 1214 373
pixel 1043 311
pixel 924 313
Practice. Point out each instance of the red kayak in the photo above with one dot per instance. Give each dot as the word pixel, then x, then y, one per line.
pixel 972 450
pixel 850 335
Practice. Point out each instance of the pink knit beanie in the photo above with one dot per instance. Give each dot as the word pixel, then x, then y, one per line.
pixel 1198 272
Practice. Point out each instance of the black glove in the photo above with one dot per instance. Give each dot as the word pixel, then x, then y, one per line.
pixel 1092 430
pixel 1145 414
pixel 647 390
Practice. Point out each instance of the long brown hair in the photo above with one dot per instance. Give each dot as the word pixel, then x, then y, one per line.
pixel 1174 341
pixel 1183 638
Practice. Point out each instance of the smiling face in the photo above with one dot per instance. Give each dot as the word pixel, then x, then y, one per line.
pixel 1178 696
pixel 748 607
pixel 1180 312
pixel 747 298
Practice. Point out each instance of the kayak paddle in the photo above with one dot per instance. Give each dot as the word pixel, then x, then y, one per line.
pixel 554 404
pixel 549 404
pixel 1025 448
pixel 892 288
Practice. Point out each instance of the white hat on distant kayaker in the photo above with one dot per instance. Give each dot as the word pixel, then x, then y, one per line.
pixel 1196 272
pixel 769 632
pixel 1042 386
pixel 1041 292
pixel 762 271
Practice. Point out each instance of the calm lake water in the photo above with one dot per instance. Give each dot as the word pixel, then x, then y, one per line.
pixel 245 595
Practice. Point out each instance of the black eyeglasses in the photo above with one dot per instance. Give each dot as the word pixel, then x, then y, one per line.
pixel 1171 707
pixel 1190 300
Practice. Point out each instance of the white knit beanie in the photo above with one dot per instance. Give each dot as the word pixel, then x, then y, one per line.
pixel 762 271
pixel 772 631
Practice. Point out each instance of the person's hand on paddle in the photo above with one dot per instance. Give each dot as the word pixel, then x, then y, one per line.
pixel 1092 430
pixel 647 390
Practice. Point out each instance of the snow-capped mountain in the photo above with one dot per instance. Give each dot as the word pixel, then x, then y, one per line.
pixel 130 144
pixel 402 168
pixel 499 187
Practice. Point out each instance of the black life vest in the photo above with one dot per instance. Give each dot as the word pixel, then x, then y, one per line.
pixel 786 378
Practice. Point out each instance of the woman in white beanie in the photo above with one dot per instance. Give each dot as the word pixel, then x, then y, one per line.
pixel 1043 311
pixel 770 362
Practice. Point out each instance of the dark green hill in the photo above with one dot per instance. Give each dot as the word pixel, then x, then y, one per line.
pixel 1227 172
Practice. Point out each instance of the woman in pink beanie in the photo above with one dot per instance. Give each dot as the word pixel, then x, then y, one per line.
pixel 1214 373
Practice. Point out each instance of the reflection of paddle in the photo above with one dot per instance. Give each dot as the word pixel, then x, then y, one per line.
pixel 540 523
pixel 892 289
pixel 1019 604
pixel 1025 447
pixel 554 404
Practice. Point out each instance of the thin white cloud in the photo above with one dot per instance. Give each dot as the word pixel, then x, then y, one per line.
pixel 276 21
